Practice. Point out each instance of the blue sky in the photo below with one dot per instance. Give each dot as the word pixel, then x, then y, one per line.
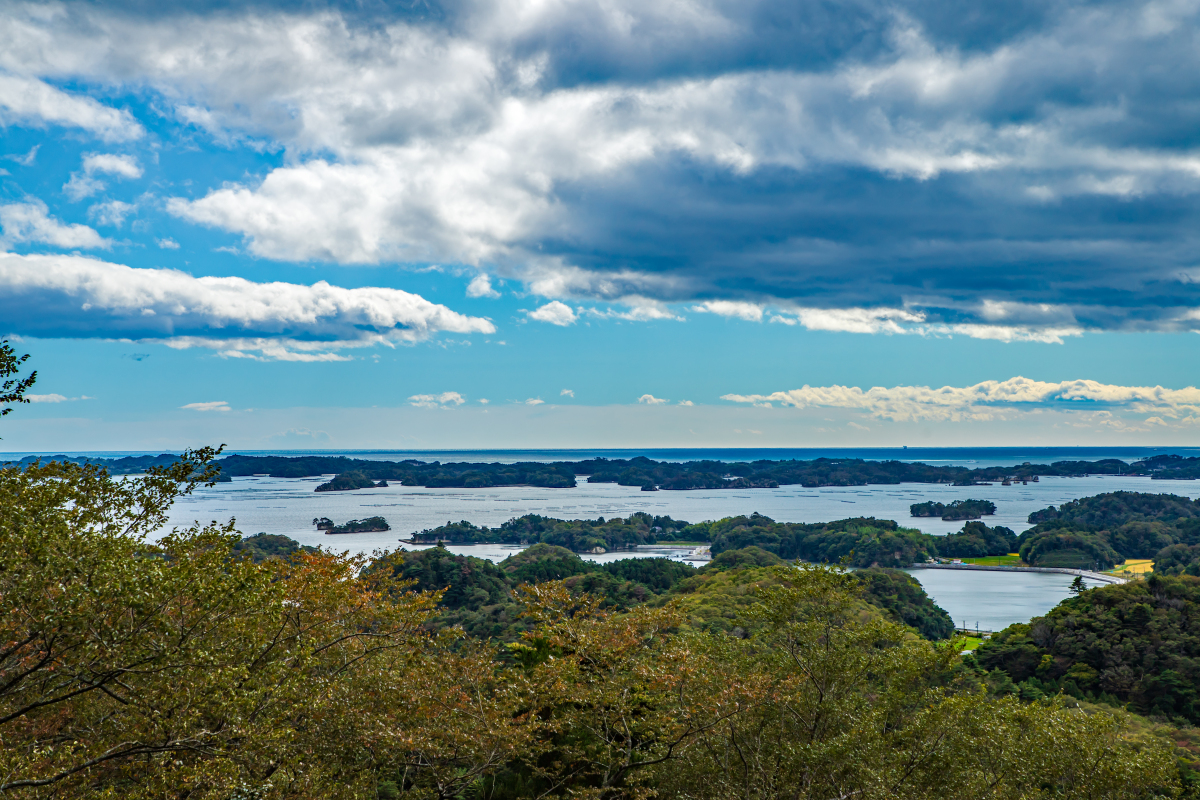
pixel 618 223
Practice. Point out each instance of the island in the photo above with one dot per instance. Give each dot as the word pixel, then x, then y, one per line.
pixel 368 525
pixel 650 475
pixel 955 511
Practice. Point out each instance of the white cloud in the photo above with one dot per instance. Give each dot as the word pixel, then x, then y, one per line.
pixel 27 159
pixel 686 403
pixel 437 400
pixel 112 164
pixel 567 393
pixel 534 401
pixel 412 141
pixel 481 286
pixel 651 400
pixel 46 398
pixel 751 312
pixel 554 312
pixel 26 100
pixel 111 213
pixel 984 401
pixel 78 296
pixel 31 222
pixel 167 243
pixel 214 405
pixel 81 186
pixel 85 184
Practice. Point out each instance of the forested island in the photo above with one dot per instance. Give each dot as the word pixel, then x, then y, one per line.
pixel 368 525
pixel 954 511
pixel 649 474
pixel 1091 533
pixel 357 473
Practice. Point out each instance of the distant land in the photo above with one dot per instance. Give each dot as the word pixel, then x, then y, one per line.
pixel 652 475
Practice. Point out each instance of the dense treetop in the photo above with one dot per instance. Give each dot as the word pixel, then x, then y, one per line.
pixel 956 510
pixel 1136 643
pixel 1109 528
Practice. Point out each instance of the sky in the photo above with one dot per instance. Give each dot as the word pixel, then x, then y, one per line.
pixel 601 223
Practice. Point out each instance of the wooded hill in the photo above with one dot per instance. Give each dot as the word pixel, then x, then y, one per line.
pixel 1107 529
pixel 481 596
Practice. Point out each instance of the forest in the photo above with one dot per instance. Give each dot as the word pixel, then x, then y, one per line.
pixel 137 667
pixel 1109 528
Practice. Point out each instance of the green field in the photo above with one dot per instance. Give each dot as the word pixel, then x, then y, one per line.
pixel 1010 560
pixel 971 642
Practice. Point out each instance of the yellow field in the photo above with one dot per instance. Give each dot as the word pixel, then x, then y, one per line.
pixel 1134 566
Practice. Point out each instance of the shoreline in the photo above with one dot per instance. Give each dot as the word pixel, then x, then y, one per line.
pixel 1083 573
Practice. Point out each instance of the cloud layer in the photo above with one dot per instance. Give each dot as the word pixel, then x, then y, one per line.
pixel 1025 171
pixel 49 295
pixel 990 400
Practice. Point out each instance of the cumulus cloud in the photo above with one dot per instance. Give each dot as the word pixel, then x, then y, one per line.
pixel 534 401
pixel 566 393
pixel 85 184
pixel 26 100
pixel 846 168
pixel 986 400
pixel 750 312
pixel 651 400
pixel 167 243
pixel 31 222
pixel 554 312
pixel 212 405
pixel 481 286
pixel 686 403
pixel 437 400
pixel 76 296
pixel 112 164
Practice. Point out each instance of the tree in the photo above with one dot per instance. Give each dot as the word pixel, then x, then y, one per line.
pixel 1078 586
pixel 137 668
pixel 13 389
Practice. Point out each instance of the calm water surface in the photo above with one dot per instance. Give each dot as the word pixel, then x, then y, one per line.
pixel 993 599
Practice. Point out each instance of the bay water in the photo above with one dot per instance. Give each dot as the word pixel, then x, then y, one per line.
pixel 992 600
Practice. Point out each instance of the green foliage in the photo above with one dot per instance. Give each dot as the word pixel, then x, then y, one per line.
pixel 145 670
pixel 176 669
pixel 370 524
pixel 864 542
pixel 1178 559
pixel 1110 510
pixel 347 481
pixel 957 510
pixel 1056 548
pixel 1135 643
pixel 904 600
pixel 262 546
pixel 12 389
pixel 975 540
pixel 580 535
pixel 752 556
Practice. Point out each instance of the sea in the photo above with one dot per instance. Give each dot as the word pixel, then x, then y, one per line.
pixel 987 600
